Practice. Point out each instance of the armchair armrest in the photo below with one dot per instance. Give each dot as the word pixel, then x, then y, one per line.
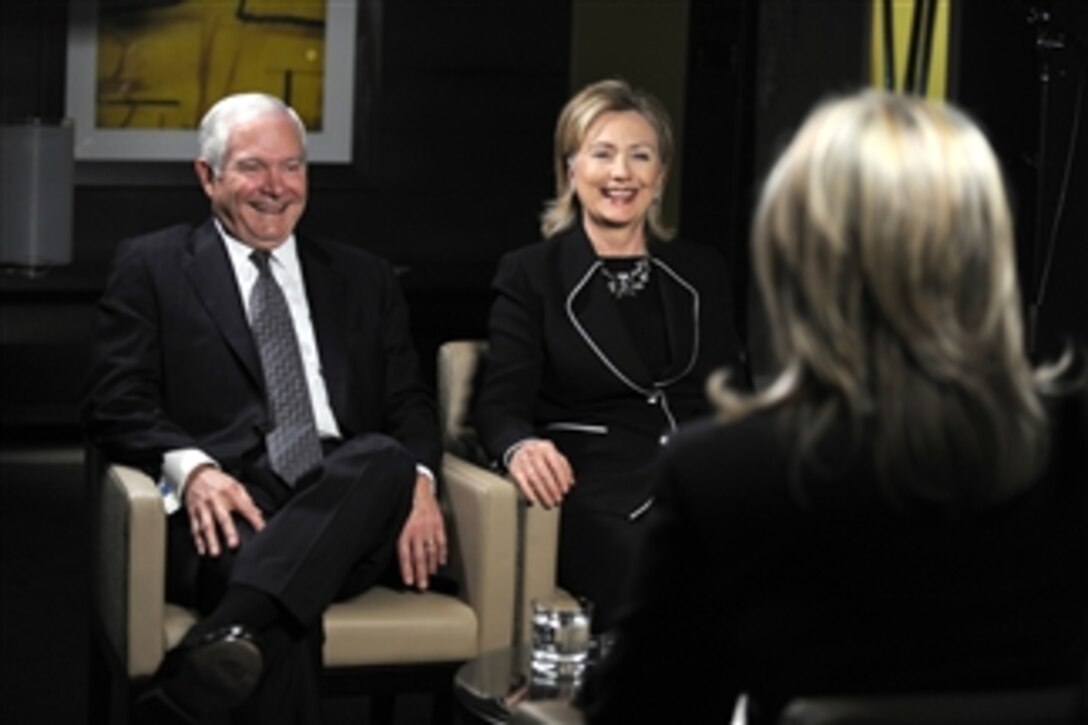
pixel 131 576
pixel 483 555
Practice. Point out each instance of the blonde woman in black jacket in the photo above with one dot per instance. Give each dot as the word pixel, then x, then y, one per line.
pixel 602 337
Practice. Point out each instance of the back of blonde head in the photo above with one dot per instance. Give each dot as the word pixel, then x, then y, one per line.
pixel 884 254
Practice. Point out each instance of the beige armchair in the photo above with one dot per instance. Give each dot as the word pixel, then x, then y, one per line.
pixel 401 641
pixel 459 368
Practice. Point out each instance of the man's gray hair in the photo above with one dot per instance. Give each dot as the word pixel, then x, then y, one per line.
pixel 228 112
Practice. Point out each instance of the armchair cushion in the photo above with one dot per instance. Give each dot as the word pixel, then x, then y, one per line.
pixel 382 626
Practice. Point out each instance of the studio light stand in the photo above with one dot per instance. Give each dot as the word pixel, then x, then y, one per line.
pixel 1050 40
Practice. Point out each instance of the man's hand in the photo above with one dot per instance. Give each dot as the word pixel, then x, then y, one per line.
pixel 211 499
pixel 422 546
pixel 542 473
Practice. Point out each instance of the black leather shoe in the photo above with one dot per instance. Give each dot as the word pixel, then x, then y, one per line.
pixel 215 673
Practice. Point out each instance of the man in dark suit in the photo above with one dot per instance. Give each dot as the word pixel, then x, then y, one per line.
pixel 269 382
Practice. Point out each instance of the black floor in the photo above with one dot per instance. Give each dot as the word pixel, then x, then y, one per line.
pixel 44 595
pixel 44 584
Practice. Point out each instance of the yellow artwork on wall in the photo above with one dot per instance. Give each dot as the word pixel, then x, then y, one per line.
pixel 142 73
pixel 936 83
pixel 162 63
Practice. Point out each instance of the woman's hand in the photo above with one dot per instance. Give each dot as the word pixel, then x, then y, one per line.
pixel 542 473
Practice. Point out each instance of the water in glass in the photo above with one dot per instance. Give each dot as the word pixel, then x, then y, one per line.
pixel 561 639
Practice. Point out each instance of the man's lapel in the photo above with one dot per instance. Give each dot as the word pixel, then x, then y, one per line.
pixel 326 294
pixel 208 269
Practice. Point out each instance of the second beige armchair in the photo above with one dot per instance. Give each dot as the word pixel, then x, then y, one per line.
pixel 459 367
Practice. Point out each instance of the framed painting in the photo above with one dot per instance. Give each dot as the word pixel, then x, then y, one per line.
pixel 142 73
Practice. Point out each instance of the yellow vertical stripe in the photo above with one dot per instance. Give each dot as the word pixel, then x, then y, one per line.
pixel 902 15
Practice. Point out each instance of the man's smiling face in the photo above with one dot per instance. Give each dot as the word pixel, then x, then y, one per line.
pixel 261 192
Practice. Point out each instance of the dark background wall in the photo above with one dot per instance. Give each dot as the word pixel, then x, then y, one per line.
pixel 455 106
pixel 1021 72
pixel 454 112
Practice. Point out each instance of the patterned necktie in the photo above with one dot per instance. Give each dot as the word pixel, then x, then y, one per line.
pixel 293 444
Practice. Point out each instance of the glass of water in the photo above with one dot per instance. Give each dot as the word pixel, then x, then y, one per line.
pixel 561 638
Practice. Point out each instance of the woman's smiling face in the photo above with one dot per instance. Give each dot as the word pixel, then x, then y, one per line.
pixel 617 173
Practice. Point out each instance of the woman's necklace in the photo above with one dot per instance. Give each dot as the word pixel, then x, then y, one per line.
pixel 627 282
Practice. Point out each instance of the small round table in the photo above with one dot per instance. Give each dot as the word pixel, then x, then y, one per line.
pixel 489 687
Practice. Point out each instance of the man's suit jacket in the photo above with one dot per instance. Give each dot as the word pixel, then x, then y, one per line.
pixel 177 366
pixel 562 365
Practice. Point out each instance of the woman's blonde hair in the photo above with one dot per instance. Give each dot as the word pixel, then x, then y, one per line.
pixel 883 248
pixel 581 112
